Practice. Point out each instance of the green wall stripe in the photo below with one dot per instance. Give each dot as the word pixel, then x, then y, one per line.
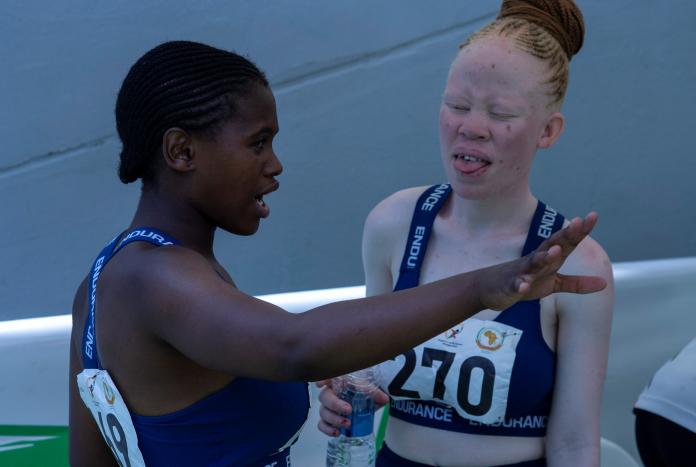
pixel 51 452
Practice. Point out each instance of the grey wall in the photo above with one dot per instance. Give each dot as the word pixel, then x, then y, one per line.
pixel 358 86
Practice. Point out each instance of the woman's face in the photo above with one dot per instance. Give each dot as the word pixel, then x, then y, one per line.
pixel 493 117
pixel 238 167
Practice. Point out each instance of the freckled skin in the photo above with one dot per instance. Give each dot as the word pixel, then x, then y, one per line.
pixel 485 76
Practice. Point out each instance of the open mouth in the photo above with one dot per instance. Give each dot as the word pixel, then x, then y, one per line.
pixel 469 164
pixel 264 210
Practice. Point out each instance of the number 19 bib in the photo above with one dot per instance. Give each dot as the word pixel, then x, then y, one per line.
pixel 103 399
pixel 468 367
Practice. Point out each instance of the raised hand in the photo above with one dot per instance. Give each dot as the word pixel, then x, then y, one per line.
pixel 536 275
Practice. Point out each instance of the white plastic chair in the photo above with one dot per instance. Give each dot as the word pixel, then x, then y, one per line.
pixel 613 455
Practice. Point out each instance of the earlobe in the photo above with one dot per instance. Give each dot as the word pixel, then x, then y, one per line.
pixel 177 150
pixel 552 130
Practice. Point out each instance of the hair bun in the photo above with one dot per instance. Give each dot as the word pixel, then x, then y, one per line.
pixel 561 18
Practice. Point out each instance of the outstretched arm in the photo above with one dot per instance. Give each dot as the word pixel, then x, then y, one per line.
pixel 215 325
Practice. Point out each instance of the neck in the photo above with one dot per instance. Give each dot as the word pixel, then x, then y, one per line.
pixel 504 213
pixel 174 216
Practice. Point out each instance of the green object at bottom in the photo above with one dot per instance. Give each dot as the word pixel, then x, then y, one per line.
pixel 33 446
pixel 47 446
pixel 379 439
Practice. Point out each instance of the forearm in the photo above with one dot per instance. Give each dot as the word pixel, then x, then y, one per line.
pixel 358 333
pixel 341 337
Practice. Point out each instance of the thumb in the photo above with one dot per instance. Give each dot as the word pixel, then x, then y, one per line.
pixel 323 382
pixel 579 284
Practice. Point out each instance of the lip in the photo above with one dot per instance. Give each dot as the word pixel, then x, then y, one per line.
pixel 471 152
pixel 469 170
pixel 273 187
pixel 263 210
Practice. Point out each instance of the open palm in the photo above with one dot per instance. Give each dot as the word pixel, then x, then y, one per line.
pixel 536 275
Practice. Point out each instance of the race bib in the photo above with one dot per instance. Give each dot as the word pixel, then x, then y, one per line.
pixel 468 367
pixel 101 396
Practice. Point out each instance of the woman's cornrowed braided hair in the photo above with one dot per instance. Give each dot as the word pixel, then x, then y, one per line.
pixel 181 84
pixel 551 30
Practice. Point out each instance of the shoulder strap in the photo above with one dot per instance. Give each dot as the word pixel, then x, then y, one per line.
pixel 545 222
pixel 90 356
pixel 427 207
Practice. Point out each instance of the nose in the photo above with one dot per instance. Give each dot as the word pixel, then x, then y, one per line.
pixel 473 126
pixel 273 166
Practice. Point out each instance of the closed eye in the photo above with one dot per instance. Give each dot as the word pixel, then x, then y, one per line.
pixel 459 107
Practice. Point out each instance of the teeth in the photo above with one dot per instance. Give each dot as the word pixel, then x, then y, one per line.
pixel 470 158
pixel 260 201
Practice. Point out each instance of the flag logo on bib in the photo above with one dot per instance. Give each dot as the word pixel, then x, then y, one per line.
pixel 453 333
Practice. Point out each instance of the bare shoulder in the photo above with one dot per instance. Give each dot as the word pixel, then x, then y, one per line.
pixel 160 287
pixel 589 258
pixel 392 215
pixel 168 273
pixel 169 262
pixel 384 236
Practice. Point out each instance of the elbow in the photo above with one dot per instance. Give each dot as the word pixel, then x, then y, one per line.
pixel 312 353
pixel 581 450
pixel 302 362
pixel 304 356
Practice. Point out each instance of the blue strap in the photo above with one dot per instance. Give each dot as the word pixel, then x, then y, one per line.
pixel 545 222
pixel 90 356
pixel 427 207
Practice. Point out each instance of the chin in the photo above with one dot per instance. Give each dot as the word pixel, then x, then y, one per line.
pixel 473 193
pixel 242 230
pixel 249 231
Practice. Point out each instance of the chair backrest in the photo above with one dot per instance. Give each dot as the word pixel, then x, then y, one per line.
pixel 613 455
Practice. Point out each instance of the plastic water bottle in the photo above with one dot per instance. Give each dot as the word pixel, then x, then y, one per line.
pixel 355 445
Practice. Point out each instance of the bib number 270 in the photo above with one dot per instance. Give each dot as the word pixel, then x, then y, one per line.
pixel 396 387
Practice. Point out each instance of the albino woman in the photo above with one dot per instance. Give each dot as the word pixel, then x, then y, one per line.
pixel 519 387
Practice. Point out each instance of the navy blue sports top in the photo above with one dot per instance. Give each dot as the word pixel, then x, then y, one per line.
pixel 249 422
pixel 533 371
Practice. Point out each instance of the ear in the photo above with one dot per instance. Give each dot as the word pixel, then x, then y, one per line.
pixel 177 150
pixel 551 131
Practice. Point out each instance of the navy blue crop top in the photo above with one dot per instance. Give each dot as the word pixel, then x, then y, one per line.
pixel 249 422
pixel 533 372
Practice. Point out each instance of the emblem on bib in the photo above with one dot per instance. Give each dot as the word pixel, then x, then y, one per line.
pixel 490 339
pixel 109 394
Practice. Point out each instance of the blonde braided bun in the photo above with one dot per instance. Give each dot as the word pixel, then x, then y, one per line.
pixel 551 30
pixel 560 18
